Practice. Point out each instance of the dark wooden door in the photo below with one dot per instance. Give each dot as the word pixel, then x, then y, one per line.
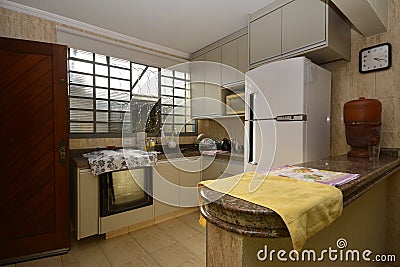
pixel 34 128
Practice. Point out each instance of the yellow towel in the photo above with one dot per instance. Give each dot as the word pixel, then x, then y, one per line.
pixel 305 207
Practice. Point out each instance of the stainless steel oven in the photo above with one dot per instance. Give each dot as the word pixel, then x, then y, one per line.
pixel 125 190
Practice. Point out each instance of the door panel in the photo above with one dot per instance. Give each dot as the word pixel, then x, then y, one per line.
pixel 34 185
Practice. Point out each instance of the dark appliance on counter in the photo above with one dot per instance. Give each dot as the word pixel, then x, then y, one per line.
pixel 362 120
pixel 120 192
pixel 226 144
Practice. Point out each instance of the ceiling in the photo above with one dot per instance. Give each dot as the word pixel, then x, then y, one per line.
pixel 184 25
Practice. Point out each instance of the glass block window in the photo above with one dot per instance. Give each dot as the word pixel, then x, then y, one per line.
pixel 107 94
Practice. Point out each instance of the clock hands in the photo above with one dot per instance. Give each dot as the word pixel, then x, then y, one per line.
pixel 379 59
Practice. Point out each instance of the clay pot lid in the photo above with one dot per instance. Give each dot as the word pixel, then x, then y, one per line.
pixel 362 110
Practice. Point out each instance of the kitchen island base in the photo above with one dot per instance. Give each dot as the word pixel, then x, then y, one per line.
pixel 362 226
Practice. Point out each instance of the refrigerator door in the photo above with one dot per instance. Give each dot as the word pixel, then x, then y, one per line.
pixel 274 144
pixel 280 84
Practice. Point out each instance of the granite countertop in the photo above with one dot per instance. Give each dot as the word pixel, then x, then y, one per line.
pixel 245 218
pixel 78 161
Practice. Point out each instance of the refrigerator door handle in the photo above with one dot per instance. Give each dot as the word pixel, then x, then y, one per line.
pixel 251 129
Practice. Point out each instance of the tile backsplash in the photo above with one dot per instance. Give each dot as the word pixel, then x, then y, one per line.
pixel 348 84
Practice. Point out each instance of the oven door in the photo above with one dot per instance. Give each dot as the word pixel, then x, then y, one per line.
pixel 120 192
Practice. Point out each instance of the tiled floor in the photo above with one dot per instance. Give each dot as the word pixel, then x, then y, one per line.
pixel 176 242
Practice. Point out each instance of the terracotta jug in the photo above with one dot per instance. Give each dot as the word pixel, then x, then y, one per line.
pixel 362 120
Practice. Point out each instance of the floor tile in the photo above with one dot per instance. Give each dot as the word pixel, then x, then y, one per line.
pixel 176 255
pixel 85 252
pixel 125 251
pixel 192 220
pixel 196 245
pixel 152 238
pixel 176 229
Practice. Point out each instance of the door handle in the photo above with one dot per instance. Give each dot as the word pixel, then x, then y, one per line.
pixel 62 151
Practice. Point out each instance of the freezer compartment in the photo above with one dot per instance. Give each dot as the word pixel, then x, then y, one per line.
pixel 274 144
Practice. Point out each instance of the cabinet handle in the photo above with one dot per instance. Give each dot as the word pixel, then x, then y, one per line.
pixel 62 150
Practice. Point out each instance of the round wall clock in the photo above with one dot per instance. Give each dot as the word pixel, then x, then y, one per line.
pixel 374 58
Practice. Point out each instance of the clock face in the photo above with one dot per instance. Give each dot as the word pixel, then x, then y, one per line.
pixel 375 58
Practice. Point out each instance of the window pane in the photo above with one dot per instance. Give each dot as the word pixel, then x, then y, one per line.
pixel 120 62
pixel 166 100
pixel 81 79
pixel 180 119
pixel 101 81
pixel 100 58
pixel 180 83
pixel 120 73
pixel 101 105
pixel 80 103
pixel 120 84
pixel 167 128
pixel 81 115
pixel 81 66
pixel 81 54
pixel 180 102
pixel 119 106
pixel 179 110
pixel 119 95
pixel 167 91
pixel 101 93
pixel 166 110
pixel 101 70
pixel 83 91
pixel 102 116
pixel 102 127
pixel 167 81
pixel 167 73
pixel 78 127
pixel 179 92
pixel 180 75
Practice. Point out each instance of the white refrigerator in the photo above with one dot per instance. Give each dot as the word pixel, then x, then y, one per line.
pixel 287 118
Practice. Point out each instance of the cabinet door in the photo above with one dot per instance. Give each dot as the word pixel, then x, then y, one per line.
pixel 303 24
pixel 165 188
pixel 212 72
pixel 211 168
pixel 188 191
pixel 265 37
pixel 243 56
pixel 87 204
pixel 212 100
pixel 197 86
pixel 34 184
pixel 230 58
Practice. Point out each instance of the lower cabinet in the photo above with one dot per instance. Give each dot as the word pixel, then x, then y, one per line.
pixel 175 185
pixel 219 168
pixel 85 215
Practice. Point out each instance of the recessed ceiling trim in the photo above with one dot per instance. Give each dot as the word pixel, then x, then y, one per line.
pixel 150 47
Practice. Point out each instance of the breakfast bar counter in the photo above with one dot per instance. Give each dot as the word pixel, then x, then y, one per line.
pixel 231 219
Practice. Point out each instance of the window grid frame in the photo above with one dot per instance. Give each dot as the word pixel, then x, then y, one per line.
pixel 95 123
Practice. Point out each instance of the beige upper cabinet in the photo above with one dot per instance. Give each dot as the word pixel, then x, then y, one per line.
pixel 289 28
pixel 235 55
pixel 303 24
pixel 229 58
pixel 197 86
pixel 213 71
pixel 243 55
pixel 265 36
